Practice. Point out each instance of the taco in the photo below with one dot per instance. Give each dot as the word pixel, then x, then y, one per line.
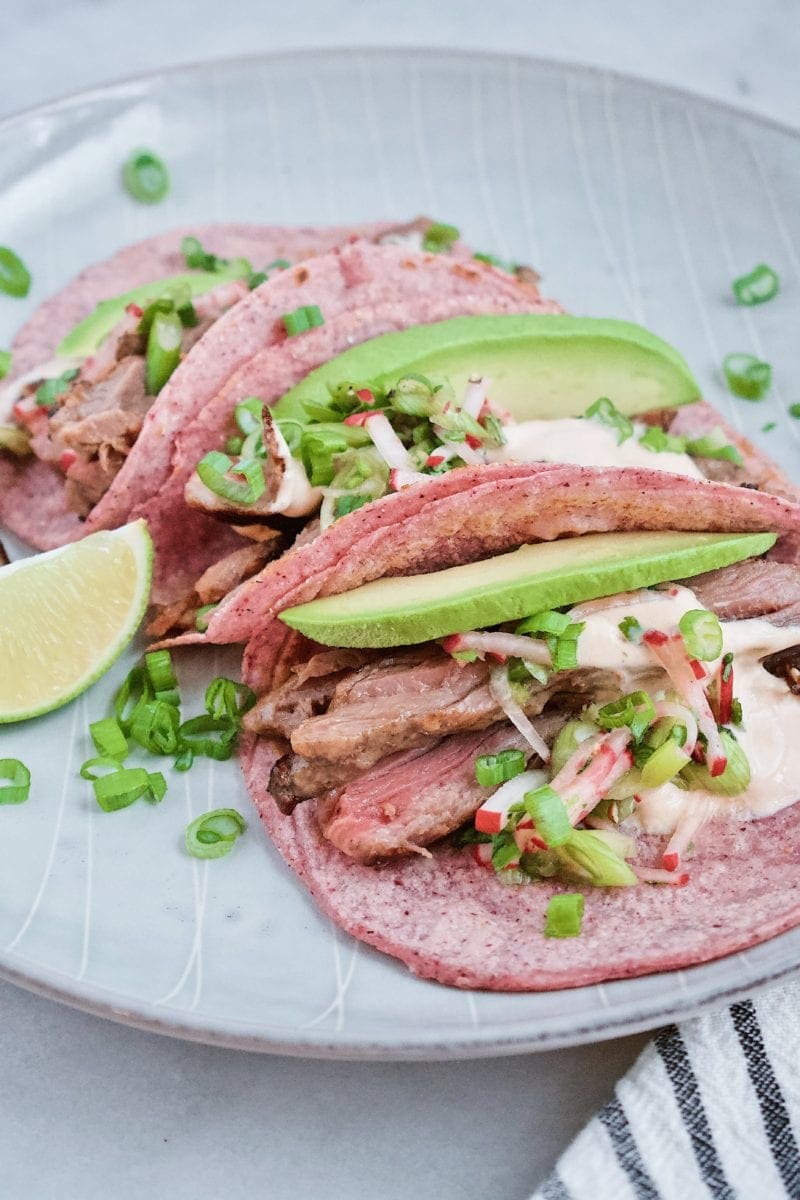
pixel 513 684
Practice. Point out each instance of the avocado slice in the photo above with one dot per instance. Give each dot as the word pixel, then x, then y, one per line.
pixel 540 365
pixel 86 337
pixel 409 609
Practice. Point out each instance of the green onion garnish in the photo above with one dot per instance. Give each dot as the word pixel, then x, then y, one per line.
pixel 494 261
pixel 659 442
pixel 702 634
pixel 636 710
pixel 759 286
pixel 630 628
pixel 549 814
pixel 493 769
pixel 109 740
pixel 213 834
pixel 163 350
pixel 201 617
pixel 214 472
pixel 278 264
pixel 770 425
pixel 555 623
pixel 564 916
pixel 794 411
pixel 198 258
pixel 15 278
pixel 158 665
pixel 256 278
pixel 737 716
pixel 227 698
pixel 439 238
pixel 302 319
pixel 747 376
pixel 17 790
pixel 666 761
pixel 234 445
pixel 122 786
pixel 49 390
pixel 193 735
pixel 713 445
pixel 249 415
pixel 145 177
pixel 344 505
pixel 155 727
pixel 5 363
pixel 604 411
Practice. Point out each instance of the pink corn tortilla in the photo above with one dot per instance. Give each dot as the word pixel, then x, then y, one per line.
pixel 447 918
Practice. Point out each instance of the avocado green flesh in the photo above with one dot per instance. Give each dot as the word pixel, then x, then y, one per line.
pixel 87 337
pixel 540 365
pixel 410 609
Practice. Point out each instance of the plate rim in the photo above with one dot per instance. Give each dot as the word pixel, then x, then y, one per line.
pixel 486 1040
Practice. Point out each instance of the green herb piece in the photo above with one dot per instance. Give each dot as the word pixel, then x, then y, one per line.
pixel 109 740
pixel 49 390
pixel 215 470
pixel 201 617
pixel 122 786
pixel 228 698
pixel 794 411
pixel 630 628
pixel 163 350
pixel 702 634
pixel 194 735
pixel 665 762
pixel 549 814
pixel 155 727
pixel 309 316
pixel 135 690
pixel 199 259
pixel 555 623
pixel 493 769
pixel 278 264
pixel 713 445
pixel 160 672
pixel 659 442
pixel 505 850
pixel 344 505
pixel 594 856
pixel 214 833
pixel 17 789
pixel 15 278
pixel 564 915
pixel 747 376
pixel 145 177
pixel 734 780
pixel 736 712
pixel 256 278
pixel 493 261
pixel 636 710
pixel 760 285
pixel 439 238
pixel 604 411
pixel 5 363
pixel 770 425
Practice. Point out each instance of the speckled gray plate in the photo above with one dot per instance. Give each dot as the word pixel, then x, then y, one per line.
pixel 634 202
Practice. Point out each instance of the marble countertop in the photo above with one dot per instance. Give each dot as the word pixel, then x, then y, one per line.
pixel 93 1109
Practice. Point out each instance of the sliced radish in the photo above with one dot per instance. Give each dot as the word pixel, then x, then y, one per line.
pixel 399 479
pixel 386 441
pixel 595 766
pixel 656 875
pixel 492 816
pixel 482 853
pixel 475 396
pixel 500 645
pixel 670 652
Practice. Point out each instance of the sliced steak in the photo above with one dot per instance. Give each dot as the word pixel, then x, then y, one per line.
pixel 307 691
pixel 755 588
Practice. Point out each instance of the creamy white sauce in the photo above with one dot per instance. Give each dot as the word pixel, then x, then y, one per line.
pixel 587 443
pixel 296 497
pixel 771 713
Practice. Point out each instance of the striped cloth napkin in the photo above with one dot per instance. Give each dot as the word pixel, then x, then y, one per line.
pixel 710 1109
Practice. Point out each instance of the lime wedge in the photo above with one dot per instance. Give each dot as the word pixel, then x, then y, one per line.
pixel 67 614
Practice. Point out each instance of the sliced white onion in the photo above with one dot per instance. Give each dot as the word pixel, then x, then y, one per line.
pixel 387 443
pixel 501 690
pixel 510 645
pixel 475 396
pixel 473 458
pixel 399 478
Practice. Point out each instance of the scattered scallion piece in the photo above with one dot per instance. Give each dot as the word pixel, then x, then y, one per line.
pixel 659 442
pixel 145 177
pixel 555 623
pixel 163 350
pixel 198 258
pixel 5 363
pixel 201 617
pixel 666 760
pixel 309 316
pixel 122 786
pixel 17 789
pixel 15 278
pixel 278 264
pixel 636 710
pixel 194 735
pixel 549 814
pixel 227 698
pixel 606 412
pixel 49 390
pixel 760 285
pixel 249 415
pixel 564 915
pixel 256 278
pixel 109 740
pixel 702 634
pixel 493 769
pixel 155 727
pixel 770 425
pixel 214 833
pixel 494 261
pixel 439 238
pixel 214 471
pixel 158 665
pixel 631 629
pixel 746 376
pixel 794 411
pixel 344 505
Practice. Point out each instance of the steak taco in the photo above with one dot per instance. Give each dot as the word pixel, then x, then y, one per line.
pixel 534 727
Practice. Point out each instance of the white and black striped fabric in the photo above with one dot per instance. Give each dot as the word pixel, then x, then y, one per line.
pixel 710 1109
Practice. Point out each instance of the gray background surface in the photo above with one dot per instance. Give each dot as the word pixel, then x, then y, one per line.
pixel 92 1109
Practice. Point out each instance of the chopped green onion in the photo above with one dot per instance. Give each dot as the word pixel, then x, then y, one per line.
pixel 145 177
pixel 747 376
pixel 564 915
pixel 109 740
pixel 659 442
pixel 307 317
pixel 5 363
pixel 155 727
pixel 163 350
pixel 213 471
pixel 494 769
pixel 221 748
pixel 213 834
pixel 256 278
pixel 249 415
pixel 630 628
pixel 344 505
pixel 604 411
pixel 504 850
pixel 15 278
pixel 158 664
pixel 549 814
pixel 760 285
pixel 736 712
pixel 713 445
pixel 120 788
pixel 702 634
pixel 136 689
pixel 49 390
pixel 199 259
pixel 564 649
pixel 439 238
pixel 734 780
pixel 555 623
pixel 17 790
pixel 770 425
pixel 636 710
pixel 234 445
pixel 794 411
pixel 665 762
pixel 185 759
pixel 278 264
pixel 228 698
pixel 201 617
pixel 568 738
pixel 494 261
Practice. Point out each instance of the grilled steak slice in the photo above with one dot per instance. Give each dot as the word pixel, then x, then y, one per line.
pixel 308 690
pixel 415 798
pixel 755 588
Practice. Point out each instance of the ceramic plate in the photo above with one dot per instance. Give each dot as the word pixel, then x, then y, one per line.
pixel 633 202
